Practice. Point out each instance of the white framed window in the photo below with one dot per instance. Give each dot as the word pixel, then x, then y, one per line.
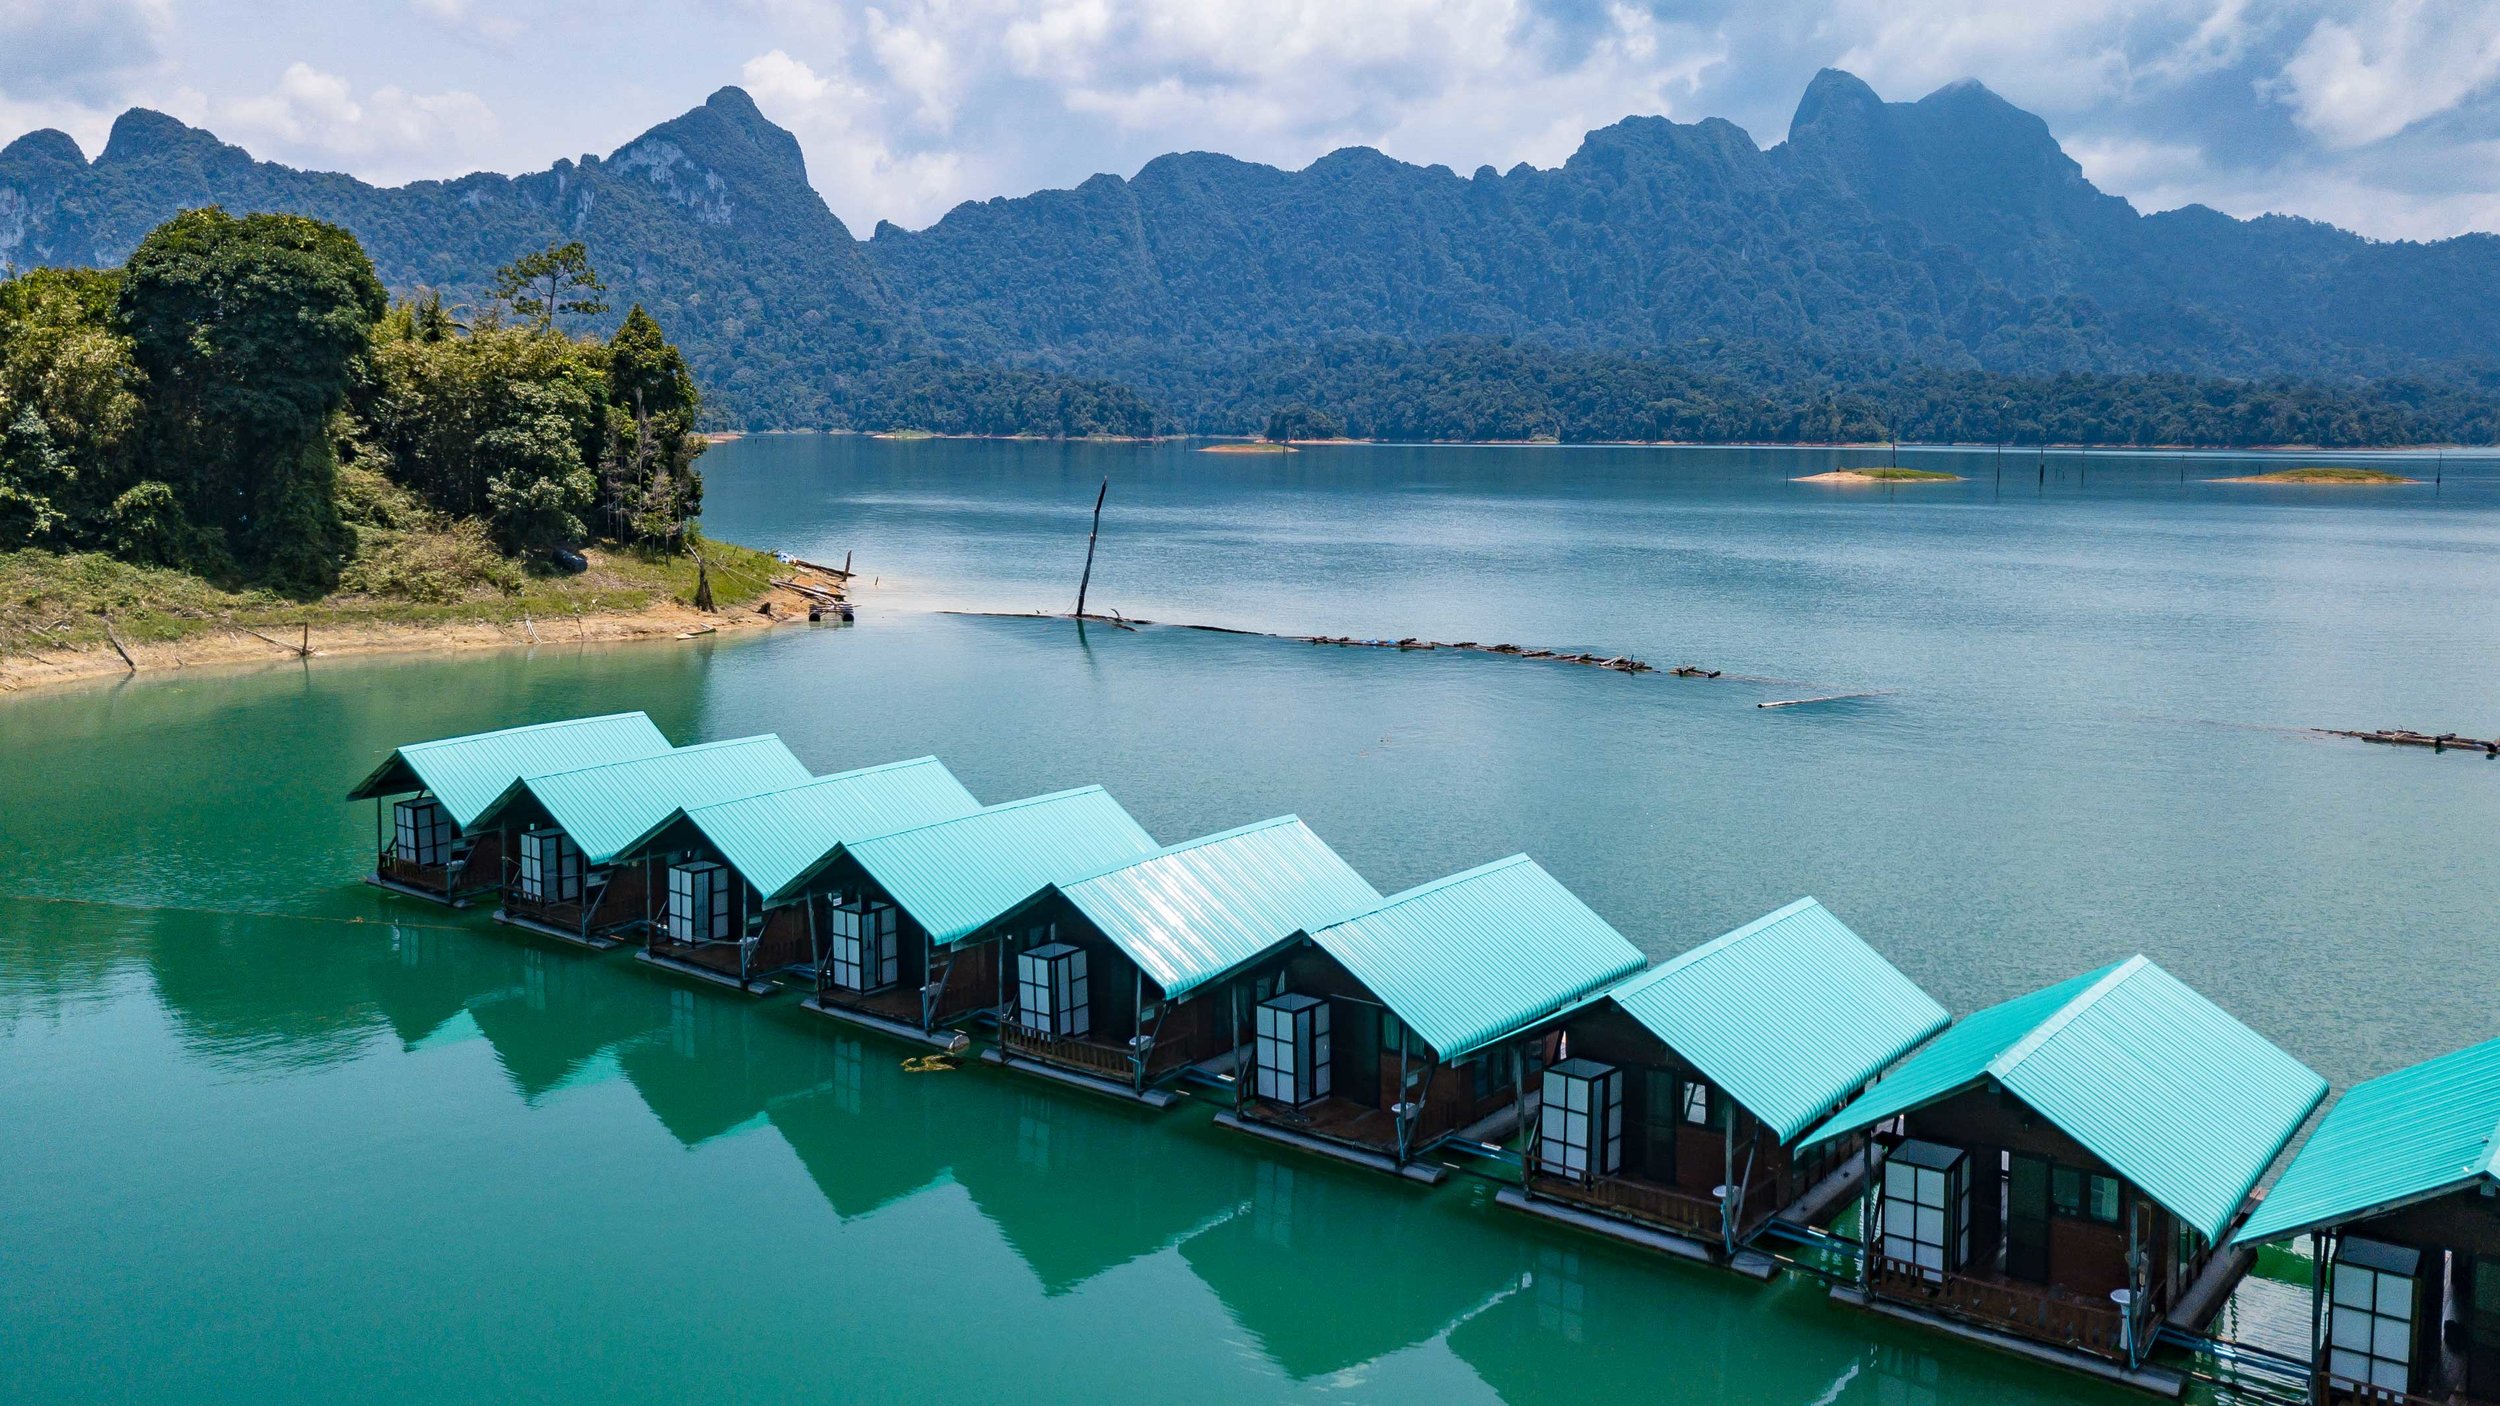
pixel 1580 1120
pixel 1053 998
pixel 865 953
pixel 2370 1331
pixel 1926 1207
pixel 420 832
pixel 699 903
pixel 1291 1054
pixel 551 867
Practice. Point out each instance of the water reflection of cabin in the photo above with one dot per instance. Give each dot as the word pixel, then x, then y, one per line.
pixel 1681 1093
pixel 2399 1190
pixel 729 906
pixel 2060 1168
pixel 424 844
pixel 1384 1034
pixel 566 834
pixel 1124 978
pixel 921 897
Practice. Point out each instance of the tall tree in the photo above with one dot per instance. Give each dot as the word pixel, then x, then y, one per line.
pixel 251 332
pixel 557 281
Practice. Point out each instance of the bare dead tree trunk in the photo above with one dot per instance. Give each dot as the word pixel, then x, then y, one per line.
pixel 1085 582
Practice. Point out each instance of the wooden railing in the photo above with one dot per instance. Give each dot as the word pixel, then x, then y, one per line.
pixel 2035 1311
pixel 1642 1200
pixel 1107 1060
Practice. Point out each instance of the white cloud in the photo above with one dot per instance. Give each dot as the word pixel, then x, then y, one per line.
pixel 2362 80
pixel 841 125
pixel 317 117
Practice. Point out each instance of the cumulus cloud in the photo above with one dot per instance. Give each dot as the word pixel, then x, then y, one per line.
pixel 318 118
pixel 85 51
pixel 2361 80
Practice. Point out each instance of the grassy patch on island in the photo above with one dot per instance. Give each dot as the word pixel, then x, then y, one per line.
pixel 2322 475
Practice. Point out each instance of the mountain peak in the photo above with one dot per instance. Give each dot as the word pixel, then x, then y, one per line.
pixel 728 135
pixel 144 132
pixel 1836 98
pixel 48 146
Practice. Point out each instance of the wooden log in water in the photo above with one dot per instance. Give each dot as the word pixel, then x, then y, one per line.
pixel 2406 737
pixel 1826 698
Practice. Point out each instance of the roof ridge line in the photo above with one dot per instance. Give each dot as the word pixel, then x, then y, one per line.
pixel 847 774
pixel 1436 885
pixel 655 756
pixel 1717 946
pixel 1017 804
pixel 526 727
pixel 2014 1054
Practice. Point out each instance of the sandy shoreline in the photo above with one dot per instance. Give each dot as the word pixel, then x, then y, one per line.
pixel 1874 476
pixel 666 620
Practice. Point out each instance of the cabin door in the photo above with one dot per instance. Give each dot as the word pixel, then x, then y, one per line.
pixel 2482 1328
pixel 2027 1218
pixel 1354 1035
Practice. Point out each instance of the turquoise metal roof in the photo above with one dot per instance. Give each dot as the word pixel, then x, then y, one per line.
pixel 2418 1133
pixel 956 875
pixel 1198 910
pixel 467 774
pixel 1791 1013
pixel 1471 958
pixel 605 809
pixel 2160 1083
pixel 773 838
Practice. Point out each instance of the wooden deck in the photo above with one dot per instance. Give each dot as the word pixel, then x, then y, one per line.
pixel 1428 1173
pixel 2038 1312
pixel 1335 1119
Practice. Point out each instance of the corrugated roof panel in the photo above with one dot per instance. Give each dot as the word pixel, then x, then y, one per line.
pixel 606 808
pixel 956 875
pixel 1198 910
pixel 1791 1013
pixel 2160 1083
pixel 1471 958
pixel 773 838
pixel 2420 1132
pixel 469 773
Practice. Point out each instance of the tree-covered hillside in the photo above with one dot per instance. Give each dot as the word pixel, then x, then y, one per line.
pixel 1885 249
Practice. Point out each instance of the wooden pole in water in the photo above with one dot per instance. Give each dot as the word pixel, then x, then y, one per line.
pixel 1086 581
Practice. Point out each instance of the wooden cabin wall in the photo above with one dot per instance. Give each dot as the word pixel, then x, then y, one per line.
pixel 1607 1034
pixel 2467 1221
pixel 485 859
pixel 629 892
pixel 1450 1099
pixel 2085 1257
pixel 785 940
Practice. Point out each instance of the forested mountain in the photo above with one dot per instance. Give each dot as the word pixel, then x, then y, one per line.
pixel 1880 250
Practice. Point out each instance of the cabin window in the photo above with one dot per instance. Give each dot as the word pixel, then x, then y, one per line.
pixel 2370 1335
pixel 1292 1054
pixel 2081 1195
pixel 420 832
pixel 1390 1031
pixel 1492 1074
pixel 698 903
pixel 1926 1207
pixel 1053 998
pixel 866 951
pixel 551 867
pixel 1696 1103
pixel 1580 1122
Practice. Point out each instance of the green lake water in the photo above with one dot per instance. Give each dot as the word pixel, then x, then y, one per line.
pixel 275 1137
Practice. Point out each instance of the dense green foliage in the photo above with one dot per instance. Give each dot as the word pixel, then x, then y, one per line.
pixel 1479 389
pixel 242 400
pixel 1897 255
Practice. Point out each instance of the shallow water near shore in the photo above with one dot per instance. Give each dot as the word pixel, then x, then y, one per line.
pixel 277 1137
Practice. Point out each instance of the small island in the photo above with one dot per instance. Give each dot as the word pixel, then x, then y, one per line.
pixel 1254 446
pixel 2321 475
pixel 1880 476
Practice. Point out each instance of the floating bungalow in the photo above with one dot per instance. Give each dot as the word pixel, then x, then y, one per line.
pixel 925 899
pixel 1124 978
pixel 2398 1191
pixel 1674 1113
pixel 426 841
pixel 730 905
pixel 2057 1172
pixel 1379 1036
pixel 565 834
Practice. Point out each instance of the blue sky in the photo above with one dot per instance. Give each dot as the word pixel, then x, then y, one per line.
pixel 2381 115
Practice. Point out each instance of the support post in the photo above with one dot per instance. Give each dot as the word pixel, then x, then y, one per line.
pixel 1087 580
pixel 1529 1129
pixel 1866 1219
